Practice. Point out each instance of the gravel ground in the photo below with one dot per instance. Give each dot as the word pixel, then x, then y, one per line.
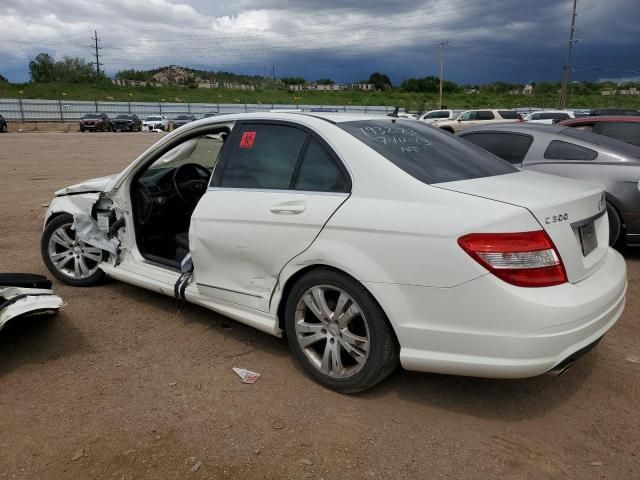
pixel 124 384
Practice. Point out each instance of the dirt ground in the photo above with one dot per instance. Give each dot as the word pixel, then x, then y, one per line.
pixel 123 384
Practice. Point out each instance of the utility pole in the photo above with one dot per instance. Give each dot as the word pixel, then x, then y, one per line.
pixel 442 45
pixel 97 52
pixel 567 63
pixel 273 72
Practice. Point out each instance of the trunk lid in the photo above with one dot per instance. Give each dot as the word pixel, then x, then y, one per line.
pixel 571 212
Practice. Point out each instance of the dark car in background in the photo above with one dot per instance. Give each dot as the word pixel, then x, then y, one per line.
pixel 574 153
pixel 625 129
pixel 127 122
pixel 182 120
pixel 597 112
pixel 96 121
pixel 3 125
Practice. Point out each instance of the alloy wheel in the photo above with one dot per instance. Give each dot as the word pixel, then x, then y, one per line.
pixel 332 331
pixel 71 257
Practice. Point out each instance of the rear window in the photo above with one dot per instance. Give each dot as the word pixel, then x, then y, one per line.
pixel 509 114
pixel 603 141
pixel 628 132
pixel 442 114
pixel 484 115
pixel 511 147
pixel 425 153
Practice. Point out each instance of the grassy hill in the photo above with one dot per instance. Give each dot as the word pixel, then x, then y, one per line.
pixel 412 101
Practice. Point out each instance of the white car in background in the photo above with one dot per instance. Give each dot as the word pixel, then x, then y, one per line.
pixel 473 118
pixel 548 117
pixel 439 115
pixel 155 122
pixel 369 241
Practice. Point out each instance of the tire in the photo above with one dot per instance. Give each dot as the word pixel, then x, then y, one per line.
pixel 82 129
pixel 322 346
pixel 615 225
pixel 5 129
pixel 60 250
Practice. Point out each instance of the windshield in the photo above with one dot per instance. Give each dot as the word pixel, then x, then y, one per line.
pixel 153 119
pixel 425 153
pixel 124 117
pixel 601 140
pixel 91 115
pixel 183 117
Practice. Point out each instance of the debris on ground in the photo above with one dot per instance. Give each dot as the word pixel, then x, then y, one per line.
pixel 196 467
pixel 632 359
pixel 247 376
pixel 305 461
pixel 79 454
pixel 278 424
pixel 596 464
pixel 173 384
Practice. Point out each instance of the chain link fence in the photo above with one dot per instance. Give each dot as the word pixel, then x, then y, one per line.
pixel 27 110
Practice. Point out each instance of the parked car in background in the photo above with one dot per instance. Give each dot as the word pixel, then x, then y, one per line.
pixel 574 153
pixel 441 115
pixel 257 217
pixel 182 120
pixel 155 122
pixel 210 114
pixel 614 111
pixel 401 113
pixel 127 122
pixel 548 117
pixel 471 118
pixel 625 129
pixel 96 121
pixel 3 125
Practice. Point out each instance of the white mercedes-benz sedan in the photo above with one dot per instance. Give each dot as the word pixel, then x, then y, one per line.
pixel 368 241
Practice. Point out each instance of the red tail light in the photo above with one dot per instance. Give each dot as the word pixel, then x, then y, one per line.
pixel 525 259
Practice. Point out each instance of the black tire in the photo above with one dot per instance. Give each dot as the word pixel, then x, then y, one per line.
pixel 5 129
pixel 382 357
pixel 82 129
pixel 615 225
pixel 61 221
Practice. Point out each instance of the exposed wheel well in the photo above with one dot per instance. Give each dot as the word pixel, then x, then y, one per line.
pixel 294 278
pixel 446 129
pixel 54 215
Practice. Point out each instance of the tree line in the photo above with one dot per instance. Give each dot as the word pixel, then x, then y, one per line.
pixel 45 69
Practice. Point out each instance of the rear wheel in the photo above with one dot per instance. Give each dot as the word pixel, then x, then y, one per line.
pixel 338 332
pixel 615 224
pixel 70 260
pixel 4 128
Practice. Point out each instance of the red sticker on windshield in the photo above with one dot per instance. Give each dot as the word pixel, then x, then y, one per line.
pixel 247 139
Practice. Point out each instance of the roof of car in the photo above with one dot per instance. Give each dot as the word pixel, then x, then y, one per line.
pixel 598 119
pixel 522 127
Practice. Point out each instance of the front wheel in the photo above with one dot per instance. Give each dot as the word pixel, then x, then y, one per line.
pixel 338 332
pixel 70 260
pixel 4 128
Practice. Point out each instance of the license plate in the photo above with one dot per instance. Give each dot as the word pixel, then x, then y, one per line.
pixel 588 238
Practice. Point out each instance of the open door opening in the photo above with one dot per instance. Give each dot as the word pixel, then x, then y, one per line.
pixel 165 194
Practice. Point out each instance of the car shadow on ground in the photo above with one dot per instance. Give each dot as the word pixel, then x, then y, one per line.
pixel 511 400
pixel 38 339
pixel 247 338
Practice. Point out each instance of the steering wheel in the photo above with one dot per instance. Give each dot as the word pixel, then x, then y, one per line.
pixel 190 181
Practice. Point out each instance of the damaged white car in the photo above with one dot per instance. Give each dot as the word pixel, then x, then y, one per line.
pixel 369 241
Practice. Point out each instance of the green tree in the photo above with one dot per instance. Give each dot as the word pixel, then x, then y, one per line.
pixel 325 81
pixel 380 81
pixel 3 79
pixel 42 68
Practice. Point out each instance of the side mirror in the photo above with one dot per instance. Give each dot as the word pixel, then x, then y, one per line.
pixel 459 120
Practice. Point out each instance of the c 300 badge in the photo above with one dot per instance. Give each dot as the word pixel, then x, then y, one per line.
pixel 561 217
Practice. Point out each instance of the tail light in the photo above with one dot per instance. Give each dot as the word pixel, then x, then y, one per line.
pixel 525 259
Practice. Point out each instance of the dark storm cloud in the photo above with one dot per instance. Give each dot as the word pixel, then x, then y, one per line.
pixel 489 40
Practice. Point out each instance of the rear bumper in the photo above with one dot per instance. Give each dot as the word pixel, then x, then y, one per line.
pixel 488 328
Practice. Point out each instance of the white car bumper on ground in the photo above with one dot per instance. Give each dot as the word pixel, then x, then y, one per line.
pixel 526 332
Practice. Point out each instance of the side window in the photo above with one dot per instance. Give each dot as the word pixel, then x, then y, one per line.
pixel 318 172
pixel 264 156
pixel 559 150
pixel 484 115
pixel 468 116
pixel 535 116
pixel 625 131
pixel 508 146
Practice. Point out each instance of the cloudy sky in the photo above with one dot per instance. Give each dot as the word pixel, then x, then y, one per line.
pixel 510 40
